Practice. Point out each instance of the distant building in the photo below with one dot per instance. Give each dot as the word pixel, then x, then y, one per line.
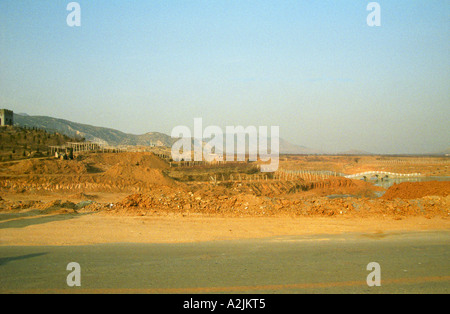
pixel 6 117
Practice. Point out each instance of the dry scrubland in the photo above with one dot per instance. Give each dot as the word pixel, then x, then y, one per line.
pixel 130 185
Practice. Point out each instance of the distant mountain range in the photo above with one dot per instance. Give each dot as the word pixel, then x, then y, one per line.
pixel 109 136
pixel 355 152
pixel 92 133
pixel 289 148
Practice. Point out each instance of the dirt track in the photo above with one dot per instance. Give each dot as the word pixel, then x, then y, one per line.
pixel 71 229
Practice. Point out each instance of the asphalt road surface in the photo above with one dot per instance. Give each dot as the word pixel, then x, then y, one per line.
pixel 409 263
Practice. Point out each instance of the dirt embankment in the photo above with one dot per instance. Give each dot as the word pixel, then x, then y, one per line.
pixel 143 177
pixel 143 172
pixel 45 167
pixel 414 190
pixel 403 200
pixel 241 205
pixel 296 188
pixel 107 172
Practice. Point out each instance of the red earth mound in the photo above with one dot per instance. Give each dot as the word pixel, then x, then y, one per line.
pixel 159 202
pixel 414 190
pixel 39 166
pixel 91 172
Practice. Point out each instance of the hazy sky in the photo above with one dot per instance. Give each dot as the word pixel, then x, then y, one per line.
pixel 314 68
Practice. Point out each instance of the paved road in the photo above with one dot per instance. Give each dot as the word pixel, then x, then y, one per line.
pixel 410 263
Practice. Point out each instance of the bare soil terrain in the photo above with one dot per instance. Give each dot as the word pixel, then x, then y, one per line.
pixel 138 197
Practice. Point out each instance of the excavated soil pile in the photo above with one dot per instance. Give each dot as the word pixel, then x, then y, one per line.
pixel 131 172
pixel 143 168
pixel 39 167
pixel 414 190
pixel 269 188
pixel 160 202
pixel 138 173
pixel 105 161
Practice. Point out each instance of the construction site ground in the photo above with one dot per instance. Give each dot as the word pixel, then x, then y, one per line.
pixel 140 198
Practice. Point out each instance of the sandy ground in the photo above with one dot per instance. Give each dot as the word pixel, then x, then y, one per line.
pixel 85 229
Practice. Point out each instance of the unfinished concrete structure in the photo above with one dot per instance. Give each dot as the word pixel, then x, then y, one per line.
pixel 6 117
pixel 82 147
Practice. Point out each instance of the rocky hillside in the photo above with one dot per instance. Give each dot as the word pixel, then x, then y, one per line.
pixel 92 133
pixel 115 137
